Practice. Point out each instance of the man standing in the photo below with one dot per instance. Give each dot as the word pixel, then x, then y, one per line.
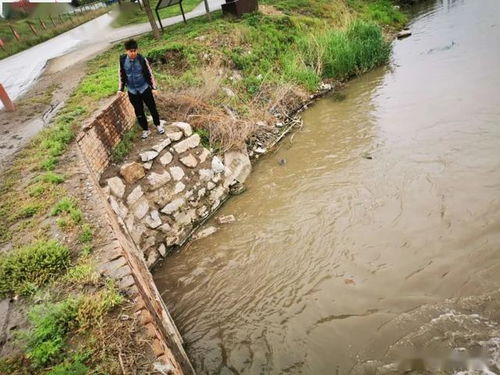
pixel 135 73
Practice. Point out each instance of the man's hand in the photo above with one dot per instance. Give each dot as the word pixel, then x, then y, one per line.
pixel 155 92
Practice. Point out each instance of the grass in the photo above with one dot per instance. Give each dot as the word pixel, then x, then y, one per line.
pixel 51 322
pixel 29 267
pixel 131 13
pixel 29 39
pixel 125 146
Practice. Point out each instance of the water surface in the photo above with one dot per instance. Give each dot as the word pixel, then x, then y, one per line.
pixel 388 205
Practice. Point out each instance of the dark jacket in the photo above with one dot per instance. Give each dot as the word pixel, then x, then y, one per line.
pixel 146 70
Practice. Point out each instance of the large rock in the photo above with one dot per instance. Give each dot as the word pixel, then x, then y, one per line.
pixel 204 155
pixel 217 165
pixel 185 217
pixel 157 180
pixel 205 232
pixel 189 161
pixel 118 207
pixel 116 186
pixel 148 155
pixel 179 187
pixel 153 220
pixel 166 158
pixel 175 136
pixel 238 167
pixel 173 206
pixel 135 195
pixel 187 144
pixel 141 208
pixel 177 173
pixel 160 146
pixel 132 172
pixel 185 127
pixel 206 174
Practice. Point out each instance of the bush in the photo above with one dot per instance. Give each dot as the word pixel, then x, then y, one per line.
pixel 50 322
pixel 22 270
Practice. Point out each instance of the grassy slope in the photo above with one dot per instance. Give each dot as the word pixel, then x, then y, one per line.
pixel 261 58
pixel 131 13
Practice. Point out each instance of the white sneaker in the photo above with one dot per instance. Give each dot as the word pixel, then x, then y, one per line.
pixel 145 134
pixel 160 129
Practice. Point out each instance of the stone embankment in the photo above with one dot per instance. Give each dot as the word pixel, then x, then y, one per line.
pixel 151 203
pixel 170 187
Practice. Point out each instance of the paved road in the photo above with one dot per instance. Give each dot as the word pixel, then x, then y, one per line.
pixel 19 72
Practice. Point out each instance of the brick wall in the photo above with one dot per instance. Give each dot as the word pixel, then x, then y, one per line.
pixel 100 136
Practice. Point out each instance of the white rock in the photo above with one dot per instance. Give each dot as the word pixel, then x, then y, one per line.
pixel 259 150
pixel 217 194
pixel 152 258
pixel 238 167
pixel 116 186
pixel 160 146
pixel 179 187
pixel 135 195
pixel 216 179
pixel 205 232
pixel 202 211
pixel 217 165
pixel 279 124
pixel 205 174
pixel 136 231
pixel 189 161
pixel 173 206
pixel 210 185
pixel 153 220
pixel 185 217
pixel 141 208
pixel 188 194
pixel 177 173
pixel 325 86
pixel 118 207
pixel 204 155
pixel 202 192
pixel 162 249
pixel 175 136
pixel 187 144
pixel 185 127
pixel 157 180
pixel 166 158
pixel 148 155
pixel 148 165
pixel 226 219
pixel 165 228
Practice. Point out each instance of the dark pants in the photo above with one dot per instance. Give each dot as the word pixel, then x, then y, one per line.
pixel 138 101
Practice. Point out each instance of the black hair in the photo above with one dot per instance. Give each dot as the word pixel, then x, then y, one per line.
pixel 130 44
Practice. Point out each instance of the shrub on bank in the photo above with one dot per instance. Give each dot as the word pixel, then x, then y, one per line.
pixel 25 269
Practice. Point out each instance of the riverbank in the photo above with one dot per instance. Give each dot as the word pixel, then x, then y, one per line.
pixel 232 80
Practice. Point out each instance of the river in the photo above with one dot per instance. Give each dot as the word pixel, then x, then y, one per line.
pixel 373 233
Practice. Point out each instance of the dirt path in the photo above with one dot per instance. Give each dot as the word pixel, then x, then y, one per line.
pixel 36 108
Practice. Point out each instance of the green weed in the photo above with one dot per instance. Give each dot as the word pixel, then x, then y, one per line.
pixel 31 266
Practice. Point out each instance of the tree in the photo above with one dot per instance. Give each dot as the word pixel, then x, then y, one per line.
pixel 151 18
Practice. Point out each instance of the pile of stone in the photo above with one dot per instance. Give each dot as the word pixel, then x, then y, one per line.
pixel 174 184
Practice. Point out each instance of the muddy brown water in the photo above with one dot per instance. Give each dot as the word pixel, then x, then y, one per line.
pixel 374 231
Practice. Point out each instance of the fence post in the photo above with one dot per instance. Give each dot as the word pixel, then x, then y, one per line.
pixel 32 28
pixel 4 98
pixel 53 23
pixel 14 32
pixel 42 24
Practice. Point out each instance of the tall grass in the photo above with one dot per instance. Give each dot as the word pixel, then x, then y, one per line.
pixel 337 54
